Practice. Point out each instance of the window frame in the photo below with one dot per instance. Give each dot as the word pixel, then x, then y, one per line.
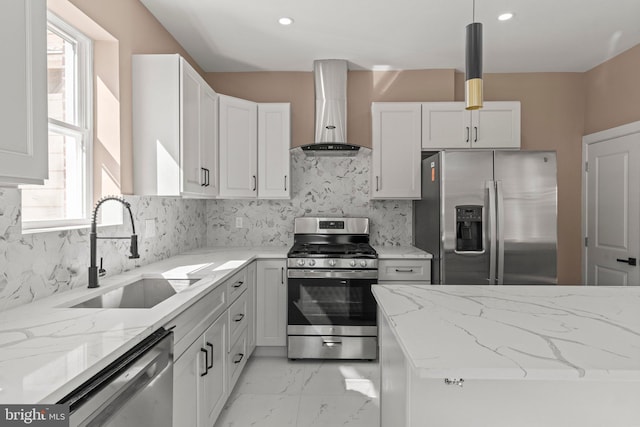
pixel 84 129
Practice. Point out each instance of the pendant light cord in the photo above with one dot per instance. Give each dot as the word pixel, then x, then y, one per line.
pixel 473 18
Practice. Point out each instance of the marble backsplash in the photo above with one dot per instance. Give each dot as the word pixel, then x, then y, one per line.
pixel 36 265
pixel 321 186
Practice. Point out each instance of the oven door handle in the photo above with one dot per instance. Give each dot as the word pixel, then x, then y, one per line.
pixel 294 273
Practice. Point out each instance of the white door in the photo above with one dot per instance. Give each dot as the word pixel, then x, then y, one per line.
pixel 213 384
pixel 192 173
pixel 613 211
pixel 496 125
pixel 445 125
pixel 395 164
pixel 238 148
pixel 209 140
pixel 271 310
pixel 23 106
pixel 274 142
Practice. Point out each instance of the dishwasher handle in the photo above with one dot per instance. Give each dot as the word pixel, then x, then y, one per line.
pixel 98 399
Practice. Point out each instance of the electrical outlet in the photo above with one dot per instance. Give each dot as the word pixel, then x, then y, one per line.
pixel 149 228
pixel 239 222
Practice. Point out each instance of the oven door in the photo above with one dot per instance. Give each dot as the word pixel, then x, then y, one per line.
pixel 331 302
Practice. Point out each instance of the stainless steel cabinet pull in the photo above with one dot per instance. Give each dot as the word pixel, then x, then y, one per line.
pixel 238 284
pixel 206 174
pixel 404 270
pixel 239 317
pixel 282 275
pixel 454 381
pixel 285 183
pixel 238 359
pixel 206 361
pixel 475 128
pixel 255 183
pixel 210 365
pixel 203 177
pixel 377 183
pixel 467 134
pixel 331 343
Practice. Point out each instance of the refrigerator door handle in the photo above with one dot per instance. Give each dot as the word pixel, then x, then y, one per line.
pixel 500 232
pixel 491 188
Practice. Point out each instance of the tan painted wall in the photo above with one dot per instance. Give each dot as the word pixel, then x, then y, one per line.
pixel 613 92
pixel 552 119
pixel 137 31
pixel 363 87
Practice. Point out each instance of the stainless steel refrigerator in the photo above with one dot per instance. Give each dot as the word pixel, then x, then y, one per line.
pixel 489 217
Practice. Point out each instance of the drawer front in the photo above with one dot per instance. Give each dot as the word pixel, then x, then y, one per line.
pixel 237 358
pixel 237 284
pixel 238 317
pixel 404 269
pixel 192 322
pixel 331 347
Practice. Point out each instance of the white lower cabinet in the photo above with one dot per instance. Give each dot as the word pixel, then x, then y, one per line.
pixel 199 378
pixel 406 271
pixel 271 309
pixel 221 330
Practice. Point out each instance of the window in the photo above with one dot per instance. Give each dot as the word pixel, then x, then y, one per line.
pixel 64 199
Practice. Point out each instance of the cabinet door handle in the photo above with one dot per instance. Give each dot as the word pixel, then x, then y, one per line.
pixel 285 183
pixel 467 134
pixel 255 183
pixel 475 128
pixel 210 365
pixel 377 183
pixel 239 317
pixel 206 361
pixel 630 261
pixel 207 176
pixel 282 275
pixel 203 177
pixel 404 270
pixel 238 359
pixel 238 284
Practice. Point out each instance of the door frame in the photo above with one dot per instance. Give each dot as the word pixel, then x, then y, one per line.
pixel 587 140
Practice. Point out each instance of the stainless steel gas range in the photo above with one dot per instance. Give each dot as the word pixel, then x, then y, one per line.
pixel 331 310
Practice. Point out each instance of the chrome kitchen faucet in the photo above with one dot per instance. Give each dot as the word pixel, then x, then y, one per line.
pixel 93 239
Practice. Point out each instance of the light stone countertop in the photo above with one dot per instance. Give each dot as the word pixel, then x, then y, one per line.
pixel 516 332
pixel 401 252
pixel 46 350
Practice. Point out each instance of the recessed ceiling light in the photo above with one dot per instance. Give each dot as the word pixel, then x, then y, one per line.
pixel 285 21
pixel 505 16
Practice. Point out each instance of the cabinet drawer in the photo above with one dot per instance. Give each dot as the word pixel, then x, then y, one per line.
pixel 237 284
pixel 238 317
pixel 192 322
pixel 404 269
pixel 237 358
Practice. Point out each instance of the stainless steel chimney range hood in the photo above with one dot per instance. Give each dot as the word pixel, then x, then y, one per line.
pixel 331 110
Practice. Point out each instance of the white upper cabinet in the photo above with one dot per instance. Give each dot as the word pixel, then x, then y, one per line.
pixel 174 129
pixel 447 125
pixel 238 148
pixel 254 149
pixel 396 157
pixel 23 107
pixel 274 172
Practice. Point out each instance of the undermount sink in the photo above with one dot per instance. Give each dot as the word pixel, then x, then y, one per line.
pixel 143 293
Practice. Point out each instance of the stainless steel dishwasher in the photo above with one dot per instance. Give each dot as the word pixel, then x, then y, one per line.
pixel 135 390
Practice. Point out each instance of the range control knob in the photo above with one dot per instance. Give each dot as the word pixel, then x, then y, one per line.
pixel 332 262
pixel 363 263
pixel 352 263
pixel 312 262
pixel 300 262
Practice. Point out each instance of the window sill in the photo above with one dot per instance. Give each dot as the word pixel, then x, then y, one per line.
pixel 66 228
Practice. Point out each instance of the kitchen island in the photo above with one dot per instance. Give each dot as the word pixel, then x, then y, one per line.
pixel 509 356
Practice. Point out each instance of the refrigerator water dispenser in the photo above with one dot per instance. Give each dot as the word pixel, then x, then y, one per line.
pixel 469 228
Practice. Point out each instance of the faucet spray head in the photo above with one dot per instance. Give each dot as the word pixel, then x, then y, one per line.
pixel 134 247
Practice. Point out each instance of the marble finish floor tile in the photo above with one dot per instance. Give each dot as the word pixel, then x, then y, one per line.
pixel 274 392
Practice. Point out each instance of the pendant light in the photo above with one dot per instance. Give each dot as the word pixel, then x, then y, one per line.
pixel 473 64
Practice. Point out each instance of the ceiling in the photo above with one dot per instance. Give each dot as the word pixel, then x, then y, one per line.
pixel 544 35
